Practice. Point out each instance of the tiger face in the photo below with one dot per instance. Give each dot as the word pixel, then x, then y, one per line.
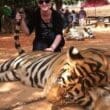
pixel 77 76
pixel 66 76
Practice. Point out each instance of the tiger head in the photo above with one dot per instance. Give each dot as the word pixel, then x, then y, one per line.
pixel 73 83
pixel 66 78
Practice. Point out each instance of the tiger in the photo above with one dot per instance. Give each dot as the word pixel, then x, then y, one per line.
pixel 89 69
pixel 78 33
pixel 63 77
pixel 36 69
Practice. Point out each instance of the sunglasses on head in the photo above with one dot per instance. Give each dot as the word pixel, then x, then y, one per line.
pixel 42 1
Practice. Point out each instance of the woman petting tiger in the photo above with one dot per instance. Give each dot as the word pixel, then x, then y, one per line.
pixel 64 78
pixel 70 75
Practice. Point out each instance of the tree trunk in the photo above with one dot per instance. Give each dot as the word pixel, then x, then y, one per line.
pixel 58 4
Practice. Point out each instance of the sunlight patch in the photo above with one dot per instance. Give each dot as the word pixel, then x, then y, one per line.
pixel 7 87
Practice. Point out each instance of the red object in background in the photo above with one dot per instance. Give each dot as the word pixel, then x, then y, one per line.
pixel 92 3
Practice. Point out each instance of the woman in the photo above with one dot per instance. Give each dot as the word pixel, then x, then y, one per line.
pixel 48 26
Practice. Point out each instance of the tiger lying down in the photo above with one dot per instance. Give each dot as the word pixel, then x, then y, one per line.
pixel 66 78
pixel 78 33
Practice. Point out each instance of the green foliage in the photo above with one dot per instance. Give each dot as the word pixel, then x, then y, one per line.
pixel 69 2
pixel 17 2
pixel 33 2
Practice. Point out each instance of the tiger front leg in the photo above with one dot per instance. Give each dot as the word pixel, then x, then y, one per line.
pixel 52 90
pixel 49 94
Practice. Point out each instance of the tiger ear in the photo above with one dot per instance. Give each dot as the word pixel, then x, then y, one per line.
pixel 74 54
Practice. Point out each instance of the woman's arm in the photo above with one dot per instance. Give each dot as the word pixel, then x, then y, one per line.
pixel 58 27
pixel 55 43
pixel 24 25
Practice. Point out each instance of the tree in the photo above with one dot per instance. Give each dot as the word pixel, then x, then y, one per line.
pixel 58 4
pixel 69 2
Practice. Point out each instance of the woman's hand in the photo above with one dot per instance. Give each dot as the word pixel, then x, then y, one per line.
pixel 49 49
pixel 20 15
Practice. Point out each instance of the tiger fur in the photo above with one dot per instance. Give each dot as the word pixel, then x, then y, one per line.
pixel 83 72
pixel 16 37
